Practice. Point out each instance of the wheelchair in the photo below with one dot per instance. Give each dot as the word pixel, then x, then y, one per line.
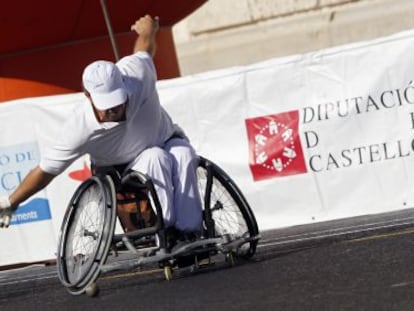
pixel 87 235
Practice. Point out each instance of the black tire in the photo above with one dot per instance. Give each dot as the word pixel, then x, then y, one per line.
pixel 231 213
pixel 86 233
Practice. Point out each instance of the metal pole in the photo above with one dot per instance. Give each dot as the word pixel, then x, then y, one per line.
pixel 110 31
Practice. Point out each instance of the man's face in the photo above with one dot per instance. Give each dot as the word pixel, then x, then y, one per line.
pixel 114 114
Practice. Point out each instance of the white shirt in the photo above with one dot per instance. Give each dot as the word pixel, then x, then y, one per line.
pixel 147 124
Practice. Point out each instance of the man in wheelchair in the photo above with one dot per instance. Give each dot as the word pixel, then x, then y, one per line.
pixel 121 122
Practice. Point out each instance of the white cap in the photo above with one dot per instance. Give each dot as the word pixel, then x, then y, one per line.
pixel 103 81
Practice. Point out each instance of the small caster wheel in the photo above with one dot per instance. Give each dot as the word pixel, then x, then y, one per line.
pixel 230 259
pixel 92 290
pixel 168 273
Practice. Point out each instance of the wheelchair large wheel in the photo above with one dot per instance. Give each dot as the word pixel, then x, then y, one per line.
pixel 229 209
pixel 86 233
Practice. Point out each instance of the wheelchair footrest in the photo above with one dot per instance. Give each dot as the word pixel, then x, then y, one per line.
pixel 222 244
pixel 159 256
pixel 234 244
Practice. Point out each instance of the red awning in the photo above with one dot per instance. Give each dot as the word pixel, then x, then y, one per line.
pixel 29 25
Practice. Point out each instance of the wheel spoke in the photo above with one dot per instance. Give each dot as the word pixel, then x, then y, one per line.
pixel 87 233
pixel 226 207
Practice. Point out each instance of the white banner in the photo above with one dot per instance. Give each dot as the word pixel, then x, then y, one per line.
pixel 26 127
pixel 310 137
pixel 307 138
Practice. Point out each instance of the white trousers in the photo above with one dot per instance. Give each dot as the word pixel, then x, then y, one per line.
pixel 173 172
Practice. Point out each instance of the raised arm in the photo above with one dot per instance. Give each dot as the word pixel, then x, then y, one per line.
pixel 146 28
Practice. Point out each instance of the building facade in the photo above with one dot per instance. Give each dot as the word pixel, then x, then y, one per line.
pixel 225 33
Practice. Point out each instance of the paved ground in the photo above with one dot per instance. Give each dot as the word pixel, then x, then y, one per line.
pixel 364 263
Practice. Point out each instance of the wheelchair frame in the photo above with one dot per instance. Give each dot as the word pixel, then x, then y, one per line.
pixel 79 272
